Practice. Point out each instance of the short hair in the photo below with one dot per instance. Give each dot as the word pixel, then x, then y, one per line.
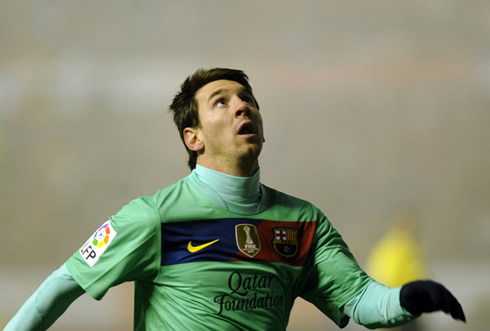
pixel 184 105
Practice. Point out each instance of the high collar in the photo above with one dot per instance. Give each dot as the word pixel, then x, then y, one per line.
pixel 243 195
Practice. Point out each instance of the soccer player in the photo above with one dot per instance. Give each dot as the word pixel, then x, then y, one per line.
pixel 220 250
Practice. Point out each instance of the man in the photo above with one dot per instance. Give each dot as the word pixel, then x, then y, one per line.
pixel 218 249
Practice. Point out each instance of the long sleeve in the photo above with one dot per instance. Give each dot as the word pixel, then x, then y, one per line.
pixel 47 303
pixel 377 306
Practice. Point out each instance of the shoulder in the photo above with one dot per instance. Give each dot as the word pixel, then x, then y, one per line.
pixel 145 209
pixel 167 204
pixel 292 204
pixel 137 214
pixel 179 190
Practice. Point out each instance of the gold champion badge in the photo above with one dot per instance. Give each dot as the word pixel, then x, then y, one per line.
pixel 285 242
pixel 247 239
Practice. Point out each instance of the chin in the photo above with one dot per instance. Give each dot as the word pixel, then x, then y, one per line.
pixel 249 152
pixel 252 156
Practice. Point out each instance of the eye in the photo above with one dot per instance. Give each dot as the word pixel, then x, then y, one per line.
pixel 248 99
pixel 221 102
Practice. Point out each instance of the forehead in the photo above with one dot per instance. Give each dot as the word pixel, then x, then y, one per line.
pixel 210 89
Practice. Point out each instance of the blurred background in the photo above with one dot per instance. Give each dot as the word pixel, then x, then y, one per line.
pixel 374 111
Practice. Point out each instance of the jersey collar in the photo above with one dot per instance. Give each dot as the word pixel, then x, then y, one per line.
pixel 243 195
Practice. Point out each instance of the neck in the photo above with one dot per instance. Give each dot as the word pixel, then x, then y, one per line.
pixel 242 168
pixel 242 195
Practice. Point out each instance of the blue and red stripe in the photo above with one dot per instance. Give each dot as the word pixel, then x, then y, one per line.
pixel 176 236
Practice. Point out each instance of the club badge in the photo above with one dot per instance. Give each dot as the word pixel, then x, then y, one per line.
pixel 285 242
pixel 247 239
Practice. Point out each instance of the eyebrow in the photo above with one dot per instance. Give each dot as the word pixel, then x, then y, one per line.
pixel 221 90
pixel 215 93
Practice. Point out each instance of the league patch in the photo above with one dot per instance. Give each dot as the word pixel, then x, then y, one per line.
pixel 96 245
pixel 247 239
pixel 285 242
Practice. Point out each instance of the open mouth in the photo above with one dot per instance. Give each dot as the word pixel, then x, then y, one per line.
pixel 247 128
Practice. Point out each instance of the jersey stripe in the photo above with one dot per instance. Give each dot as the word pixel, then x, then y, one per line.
pixel 282 249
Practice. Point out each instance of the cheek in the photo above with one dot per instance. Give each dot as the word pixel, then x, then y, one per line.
pixel 261 124
pixel 214 130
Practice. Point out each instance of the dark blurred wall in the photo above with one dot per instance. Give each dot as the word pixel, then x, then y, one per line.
pixel 369 109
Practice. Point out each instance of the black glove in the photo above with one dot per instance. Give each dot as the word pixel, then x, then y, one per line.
pixel 425 296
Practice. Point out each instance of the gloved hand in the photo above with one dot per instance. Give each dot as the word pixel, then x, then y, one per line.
pixel 425 296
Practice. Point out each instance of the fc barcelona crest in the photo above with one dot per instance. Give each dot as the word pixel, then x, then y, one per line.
pixel 285 242
pixel 247 239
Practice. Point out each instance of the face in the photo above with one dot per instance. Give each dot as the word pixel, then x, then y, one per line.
pixel 230 125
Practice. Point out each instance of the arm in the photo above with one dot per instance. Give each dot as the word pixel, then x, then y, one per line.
pixel 377 306
pixel 381 306
pixel 47 303
pixel 133 252
pixel 337 285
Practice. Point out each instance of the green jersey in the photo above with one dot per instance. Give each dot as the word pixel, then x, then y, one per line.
pixel 197 265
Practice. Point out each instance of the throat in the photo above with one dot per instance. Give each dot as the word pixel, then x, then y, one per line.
pixel 242 167
pixel 234 189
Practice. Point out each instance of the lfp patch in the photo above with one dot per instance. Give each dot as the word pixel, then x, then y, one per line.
pixel 96 245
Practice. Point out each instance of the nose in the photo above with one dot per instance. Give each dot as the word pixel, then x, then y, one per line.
pixel 241 107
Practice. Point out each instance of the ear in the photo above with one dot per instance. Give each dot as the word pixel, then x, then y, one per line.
pixel 192 138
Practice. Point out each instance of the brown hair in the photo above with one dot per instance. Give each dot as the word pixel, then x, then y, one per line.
pixel 184 105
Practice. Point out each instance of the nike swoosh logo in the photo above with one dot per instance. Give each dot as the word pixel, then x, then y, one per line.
pixel 194 249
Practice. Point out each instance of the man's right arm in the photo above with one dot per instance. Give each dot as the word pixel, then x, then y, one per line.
pixel 47 303
pixel 126 248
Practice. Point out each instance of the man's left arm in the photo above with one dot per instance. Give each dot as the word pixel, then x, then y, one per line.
pixel 336 284
pixel 381 306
